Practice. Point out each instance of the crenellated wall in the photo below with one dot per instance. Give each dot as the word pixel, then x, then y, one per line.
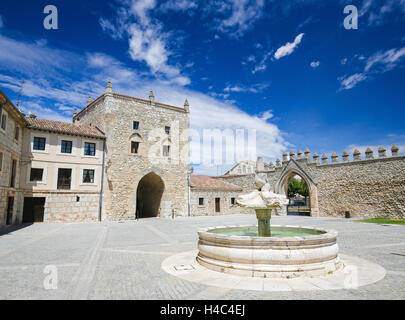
pixel 369 186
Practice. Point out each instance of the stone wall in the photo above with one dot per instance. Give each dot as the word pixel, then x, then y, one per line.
pixel 367 187
pixel 69 206
pixel 10 149
pixel 208 209
pixel 114 115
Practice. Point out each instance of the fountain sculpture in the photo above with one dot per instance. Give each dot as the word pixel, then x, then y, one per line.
pixel 265 251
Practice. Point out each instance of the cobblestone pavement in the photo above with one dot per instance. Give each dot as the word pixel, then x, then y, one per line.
pixel 113 260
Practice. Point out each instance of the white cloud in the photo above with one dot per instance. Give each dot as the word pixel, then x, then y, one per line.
pixel 385 61
pixel 266 115
pixel 377 63
pixel 288 48
pixel 178 5
pixel 256 88
pixel 56 99
pixel 315 64
pixel 235 17
pixel 348 82
pixel 147 41
pixel 343 61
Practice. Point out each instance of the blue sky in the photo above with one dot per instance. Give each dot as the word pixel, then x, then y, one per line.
pixel 288 69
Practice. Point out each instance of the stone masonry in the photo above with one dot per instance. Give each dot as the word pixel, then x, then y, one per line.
pixel 158 125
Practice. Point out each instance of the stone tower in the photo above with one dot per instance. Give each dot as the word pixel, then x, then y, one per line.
pixel 146 157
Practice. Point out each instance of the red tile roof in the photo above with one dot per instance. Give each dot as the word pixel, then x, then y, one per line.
pixel 63 127
pixel 210 183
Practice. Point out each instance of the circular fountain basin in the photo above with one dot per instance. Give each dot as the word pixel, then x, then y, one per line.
pixel 291 251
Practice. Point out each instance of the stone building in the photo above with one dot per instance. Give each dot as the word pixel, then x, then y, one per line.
pixel 243 167
pixel 12 123
pixel 211 196
pixel 146 155
pixel 61 170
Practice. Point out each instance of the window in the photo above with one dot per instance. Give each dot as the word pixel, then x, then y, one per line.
pixel 1 161
pixel 89 149
pixel 232 201
pixel 39 143
pixel 4 121
pixel 36 174
pixel 200 201
pixel 135 125
pixel 167 130
pixel 17 133
pixel 64 178
pixel 13 173
pixel 134 147
pixel 166 151
pixel 88 176
pixel 66 146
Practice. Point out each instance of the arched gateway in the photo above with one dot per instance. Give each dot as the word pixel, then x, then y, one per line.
pixel 149 195
pixel 292 169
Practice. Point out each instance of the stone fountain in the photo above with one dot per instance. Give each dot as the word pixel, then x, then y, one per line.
pixel 264 250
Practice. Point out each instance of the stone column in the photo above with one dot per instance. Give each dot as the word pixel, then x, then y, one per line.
pixel 369 154
pixel 263 219
pixel 324 159
pixel 356 155
pixel 345 156
pixel 335 158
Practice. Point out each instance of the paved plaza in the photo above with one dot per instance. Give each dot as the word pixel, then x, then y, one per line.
pixel 113 260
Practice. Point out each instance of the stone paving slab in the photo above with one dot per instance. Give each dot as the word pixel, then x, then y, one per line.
pixel 112 260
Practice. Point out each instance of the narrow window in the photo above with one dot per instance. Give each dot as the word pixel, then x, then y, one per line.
pixel 89 149
pixel 13 173
pixel 64 178
pixel 88 176
pixel 135 125
pixel 36 174
pixel 200 201
pixel 66 146
pixel 166 151
pixel 232 201
pixel 4 122
pixel 167 130
pixel 39 143
pixel 17 133
pixel 1 161
pixel 134 147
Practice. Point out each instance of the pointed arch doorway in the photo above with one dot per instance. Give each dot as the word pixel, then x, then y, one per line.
pixel 149 196
pixel 291 170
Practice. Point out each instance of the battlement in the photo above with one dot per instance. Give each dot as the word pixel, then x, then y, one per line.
pixel 334 159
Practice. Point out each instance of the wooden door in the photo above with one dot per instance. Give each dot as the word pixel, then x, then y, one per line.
pixel 217 204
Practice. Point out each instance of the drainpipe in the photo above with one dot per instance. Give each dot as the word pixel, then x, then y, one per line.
pixel 100 201
pixel 189 187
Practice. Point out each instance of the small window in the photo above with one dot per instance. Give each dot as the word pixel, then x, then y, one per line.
pixel 66 146
pixel 4 122
pixel 64 178
pixel 135 125
pixel 17 133
pixel 167 130
pixel 200 201
pixel 232 201
pixel 89 149
pixel 1 161
pixel 166 151
pixel 39 143
pixel 36 174
pixel 134 147
pixel 88 176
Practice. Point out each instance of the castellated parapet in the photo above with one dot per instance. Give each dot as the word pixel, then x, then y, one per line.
pixel 368 186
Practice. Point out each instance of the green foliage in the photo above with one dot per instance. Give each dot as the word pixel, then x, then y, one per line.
pixel 297 186
pixel 383 221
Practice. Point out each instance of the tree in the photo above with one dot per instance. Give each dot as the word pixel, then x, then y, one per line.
pixel 297 186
